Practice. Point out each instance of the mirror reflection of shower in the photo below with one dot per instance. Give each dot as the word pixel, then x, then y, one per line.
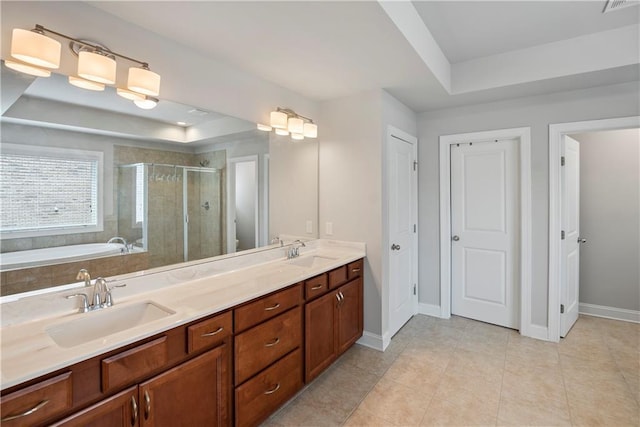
pixel 173 212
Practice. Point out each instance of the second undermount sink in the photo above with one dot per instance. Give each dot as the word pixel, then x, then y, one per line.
pixel 90 326
pixel 311 261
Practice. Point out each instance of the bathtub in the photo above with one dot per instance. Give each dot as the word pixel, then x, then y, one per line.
pixel 60 254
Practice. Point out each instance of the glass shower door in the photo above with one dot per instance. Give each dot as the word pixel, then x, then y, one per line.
pixel 203 213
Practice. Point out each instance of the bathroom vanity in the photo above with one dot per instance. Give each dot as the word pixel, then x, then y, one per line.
pixel 229 345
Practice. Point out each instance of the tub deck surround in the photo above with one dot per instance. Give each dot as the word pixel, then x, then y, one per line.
pixel 195 291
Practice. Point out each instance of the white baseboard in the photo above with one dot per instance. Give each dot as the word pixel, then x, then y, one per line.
pixel 429 309
pixel 609 312
pixel 373 341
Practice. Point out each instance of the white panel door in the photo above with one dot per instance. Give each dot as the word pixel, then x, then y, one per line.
pixel 401 189
pixel 570 264
pixel 485 237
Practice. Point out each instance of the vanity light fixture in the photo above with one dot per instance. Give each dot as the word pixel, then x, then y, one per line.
pixel 86 84
pixel 285 121
pixel 35 53
pixel 147 103
pixel 27 69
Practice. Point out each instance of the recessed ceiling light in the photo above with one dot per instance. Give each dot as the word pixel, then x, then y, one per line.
pixel 182 123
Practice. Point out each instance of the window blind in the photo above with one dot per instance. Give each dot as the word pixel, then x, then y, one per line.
pixel 40 192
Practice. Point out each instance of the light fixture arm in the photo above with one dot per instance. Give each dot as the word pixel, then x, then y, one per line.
pixel 100 49
pixel 291 113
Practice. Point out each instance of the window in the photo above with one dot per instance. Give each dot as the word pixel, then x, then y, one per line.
pixel 48 191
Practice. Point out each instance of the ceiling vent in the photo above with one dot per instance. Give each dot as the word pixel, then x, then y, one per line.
pixel 613 5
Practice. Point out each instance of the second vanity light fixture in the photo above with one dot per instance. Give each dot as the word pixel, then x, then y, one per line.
pixel 35 53
pixel 286 121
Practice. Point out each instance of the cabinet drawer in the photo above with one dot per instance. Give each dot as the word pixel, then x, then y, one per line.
pixel 354 269
pixel 337 277
pixel 315 286
pixel 131 365
pixel 259 347
pixel 261 396
pixel 209 332
pixel 267 307
pixel 34 404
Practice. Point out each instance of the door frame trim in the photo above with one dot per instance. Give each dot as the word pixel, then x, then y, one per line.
pixel 523 135
pixel 393 132
pixel 556 133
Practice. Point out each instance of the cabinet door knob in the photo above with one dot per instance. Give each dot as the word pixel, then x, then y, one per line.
pixel 216 332
pixel 272 343
pixel 134 411
pixel 147 405
pixel 273 390
pixel 25 413
pixel 273 307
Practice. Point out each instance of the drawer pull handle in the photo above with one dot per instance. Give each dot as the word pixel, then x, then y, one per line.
pixel 134 411
pixel 273 307
pixel 272 343
pixel 273 390
pixel 25 413
pixel 316 287
pixel 355 270
pixel 147 405
pixel 216 332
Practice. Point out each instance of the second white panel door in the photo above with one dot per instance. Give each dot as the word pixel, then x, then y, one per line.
pixel 485 237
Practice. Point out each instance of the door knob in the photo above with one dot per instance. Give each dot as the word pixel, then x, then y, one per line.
pixel 455 238
pixel 580 240
pixel 395 247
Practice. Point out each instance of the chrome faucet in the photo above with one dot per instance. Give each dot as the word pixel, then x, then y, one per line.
pixel 277 240
pixel 126 247
pixel 101 297
pixel 83 274
pixel 294 249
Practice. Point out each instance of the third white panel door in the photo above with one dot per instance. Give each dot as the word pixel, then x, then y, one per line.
pixel 484 229
pixel 570 265
pixel 402 299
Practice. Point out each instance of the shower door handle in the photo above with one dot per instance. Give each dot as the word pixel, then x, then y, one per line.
pixel 186 218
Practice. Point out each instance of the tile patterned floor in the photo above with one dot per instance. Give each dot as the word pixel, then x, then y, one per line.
pixel 460 372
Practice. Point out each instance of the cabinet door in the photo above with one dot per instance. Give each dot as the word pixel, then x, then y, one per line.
pixel 196 393
pixel 349 323
pixel 118 410
pixel 320 334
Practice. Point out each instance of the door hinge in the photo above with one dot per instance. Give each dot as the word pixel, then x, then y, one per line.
pixel 415 165
pixel 414 228
pixel 562 161
pixel 414 289
pixel 562 235
pixel 561 308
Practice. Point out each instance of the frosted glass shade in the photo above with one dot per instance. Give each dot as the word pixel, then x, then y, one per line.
pixel 264 127
pixel 35 48
pixel 296 125
pixel 282 132
pixel 310 130
pixel 27 69
pixel 97 68
pixel 86 84
pixel 297 136
pixel 278 120
pixel 143 81
pixel 130 95
pixel 147 104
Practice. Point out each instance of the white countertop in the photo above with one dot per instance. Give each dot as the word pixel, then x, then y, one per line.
pixel 193 292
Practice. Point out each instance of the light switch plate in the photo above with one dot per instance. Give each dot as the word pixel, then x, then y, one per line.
pixel 309 226
pixel 329 229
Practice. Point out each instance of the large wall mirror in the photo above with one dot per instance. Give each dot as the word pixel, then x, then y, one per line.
pixel 89 180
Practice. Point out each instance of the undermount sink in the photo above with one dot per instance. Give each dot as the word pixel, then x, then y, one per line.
pixel 311 261
pixel 99 324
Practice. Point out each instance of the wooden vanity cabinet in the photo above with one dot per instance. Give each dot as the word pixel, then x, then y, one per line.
pixel 333 322
pixel 268 354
